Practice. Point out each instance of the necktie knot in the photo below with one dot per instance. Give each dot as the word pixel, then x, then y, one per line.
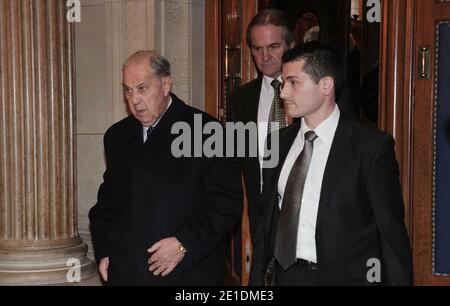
pixel 311 136
pixel 277 114
pixel 276 84
pixel 150 131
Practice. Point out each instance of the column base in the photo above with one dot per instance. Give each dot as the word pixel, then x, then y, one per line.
pixel 64 265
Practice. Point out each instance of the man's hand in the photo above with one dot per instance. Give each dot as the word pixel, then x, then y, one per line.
pixel 103 268
pixel 165 256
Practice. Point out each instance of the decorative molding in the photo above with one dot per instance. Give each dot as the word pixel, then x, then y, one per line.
pixel 176 44
pixel 197 52
pixel 396 88
pixel 122 39
pixel 114 57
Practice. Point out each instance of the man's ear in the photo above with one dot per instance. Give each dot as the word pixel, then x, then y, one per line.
pixel 327 85
pixel 167 85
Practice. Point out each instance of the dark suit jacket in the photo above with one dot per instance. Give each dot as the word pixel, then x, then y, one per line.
pixel 243 107
pixel 360 216
pixel 148 195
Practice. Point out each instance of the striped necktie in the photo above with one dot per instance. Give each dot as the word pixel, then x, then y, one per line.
pixel 287 232
pixel 150 131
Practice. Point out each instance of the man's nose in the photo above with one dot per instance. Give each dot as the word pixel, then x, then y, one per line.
pixel 266 55
pixel 283 92
pixel 135 98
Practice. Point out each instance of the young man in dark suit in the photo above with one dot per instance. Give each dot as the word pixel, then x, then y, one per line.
pixel 161 220
pixel 333 212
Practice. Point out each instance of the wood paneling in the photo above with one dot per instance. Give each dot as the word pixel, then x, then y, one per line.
pixel 249 10
pixel 427 16
pixel 407 111
pixel 234 15
pixel 395 111
pixel 212 55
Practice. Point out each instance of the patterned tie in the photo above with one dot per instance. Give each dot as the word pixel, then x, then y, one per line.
pixel 276 112
pixel 286 237
pixel 149 133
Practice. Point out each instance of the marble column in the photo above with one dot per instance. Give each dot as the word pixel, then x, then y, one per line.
pixel 39 241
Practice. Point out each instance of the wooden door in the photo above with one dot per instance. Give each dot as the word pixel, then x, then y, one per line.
pixel 431 154
pixel 414 107
pixel 228 65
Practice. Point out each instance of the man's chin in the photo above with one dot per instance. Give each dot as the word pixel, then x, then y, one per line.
pixel 294 114
pixel 142 121
pixel 271 73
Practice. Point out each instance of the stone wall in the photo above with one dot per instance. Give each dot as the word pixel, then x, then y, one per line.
pixel 109 31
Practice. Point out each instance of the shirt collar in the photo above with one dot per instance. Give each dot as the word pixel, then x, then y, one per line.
pixel 267 82
pixel 326 130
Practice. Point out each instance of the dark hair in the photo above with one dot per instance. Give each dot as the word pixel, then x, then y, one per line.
pixel 320 61
pixel 271 17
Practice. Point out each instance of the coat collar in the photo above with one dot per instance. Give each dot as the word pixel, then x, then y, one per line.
pixel 162 129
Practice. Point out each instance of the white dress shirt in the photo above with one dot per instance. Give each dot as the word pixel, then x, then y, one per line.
pixel 145 128
pixel 264 107
pixel 306 235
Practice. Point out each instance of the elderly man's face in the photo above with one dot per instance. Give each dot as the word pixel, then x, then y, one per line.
pixel 147 95
pixel 268 46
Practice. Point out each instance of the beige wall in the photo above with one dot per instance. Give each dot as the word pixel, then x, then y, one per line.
pixel 109 31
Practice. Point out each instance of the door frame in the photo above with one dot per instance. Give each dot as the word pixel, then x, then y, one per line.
pixel 411 124
pixel 398 115
pixel 214 80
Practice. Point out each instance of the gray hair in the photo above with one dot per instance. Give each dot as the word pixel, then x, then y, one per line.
pixel 159 65
pixel 272 17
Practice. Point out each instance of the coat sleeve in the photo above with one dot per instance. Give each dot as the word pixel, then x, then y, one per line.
pixel 231 108
pixel 221 209
pixel 385 196
pixel 100 215
pixel 257 270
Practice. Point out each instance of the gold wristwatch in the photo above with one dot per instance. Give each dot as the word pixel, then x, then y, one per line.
pixel 181 248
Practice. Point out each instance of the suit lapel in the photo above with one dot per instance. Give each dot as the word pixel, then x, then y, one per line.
pixel 251 105
pixel 337 161
pixel 135 139
pixel 254 94
pixel 287 137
